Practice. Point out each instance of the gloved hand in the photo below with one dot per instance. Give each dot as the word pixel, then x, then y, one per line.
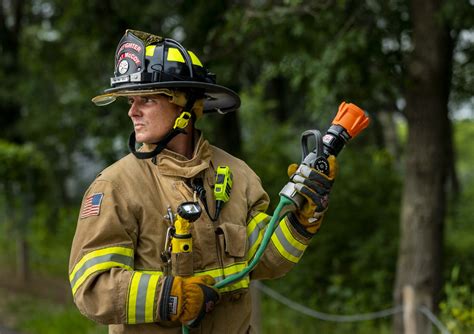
pixel 187 299
pixel 315 187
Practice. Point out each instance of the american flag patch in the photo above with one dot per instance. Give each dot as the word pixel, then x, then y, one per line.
pixel 92 205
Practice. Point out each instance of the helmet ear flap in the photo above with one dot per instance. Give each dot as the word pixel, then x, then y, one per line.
pixel 197 97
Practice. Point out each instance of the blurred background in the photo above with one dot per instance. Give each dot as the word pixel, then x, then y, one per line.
pixel 401 211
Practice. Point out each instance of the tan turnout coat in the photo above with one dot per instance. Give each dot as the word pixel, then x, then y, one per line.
pixel 115 265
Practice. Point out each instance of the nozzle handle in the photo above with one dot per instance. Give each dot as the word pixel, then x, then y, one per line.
pixel 313 157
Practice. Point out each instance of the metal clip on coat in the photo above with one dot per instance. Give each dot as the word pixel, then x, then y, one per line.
pixel 348 123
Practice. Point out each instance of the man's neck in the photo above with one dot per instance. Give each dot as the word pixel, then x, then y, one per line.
pixel 183 144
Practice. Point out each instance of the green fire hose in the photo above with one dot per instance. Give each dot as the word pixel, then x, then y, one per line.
pixel 277 216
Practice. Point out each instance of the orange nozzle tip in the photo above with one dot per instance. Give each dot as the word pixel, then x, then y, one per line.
pixel 352 118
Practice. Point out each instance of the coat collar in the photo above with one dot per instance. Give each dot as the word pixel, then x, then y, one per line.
pixel 170 163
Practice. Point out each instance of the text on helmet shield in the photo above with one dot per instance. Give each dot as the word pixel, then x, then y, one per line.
pixel 130 56
pixel 129 45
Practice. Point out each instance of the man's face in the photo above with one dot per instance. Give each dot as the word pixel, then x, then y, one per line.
pixel 152 116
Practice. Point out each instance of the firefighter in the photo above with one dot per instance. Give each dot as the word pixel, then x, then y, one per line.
pixel 118 272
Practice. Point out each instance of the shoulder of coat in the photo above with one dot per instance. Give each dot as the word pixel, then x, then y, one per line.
pixel 221 157
pixel 127 168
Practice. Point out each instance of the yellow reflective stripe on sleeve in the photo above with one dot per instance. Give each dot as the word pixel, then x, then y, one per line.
pixel 255 231
pixel 253 223
pixel 290 238
pixel 132 298
pixel 286 244
pixel 150 298
pixel 150 50
pixel 175 55
pixel 103 251
pixel 220 273
pixel 100 260
pixel 141 297
pixel 194 59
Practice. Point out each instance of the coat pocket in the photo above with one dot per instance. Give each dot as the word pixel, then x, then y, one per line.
pixel 233 239
pixel 182 264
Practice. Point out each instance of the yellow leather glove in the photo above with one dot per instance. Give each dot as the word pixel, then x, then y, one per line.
pixel 315 187
pixel 187 299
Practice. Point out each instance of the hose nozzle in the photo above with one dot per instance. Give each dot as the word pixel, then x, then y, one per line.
pixel 350 120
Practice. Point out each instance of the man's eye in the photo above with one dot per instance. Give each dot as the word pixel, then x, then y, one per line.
pixel 130 101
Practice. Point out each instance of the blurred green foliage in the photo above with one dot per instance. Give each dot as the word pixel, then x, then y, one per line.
pixel 292 62
pixel 39 316
pixel 458 307
pixel 355 249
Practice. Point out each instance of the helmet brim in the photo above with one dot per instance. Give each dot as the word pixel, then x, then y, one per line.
pixel 217 98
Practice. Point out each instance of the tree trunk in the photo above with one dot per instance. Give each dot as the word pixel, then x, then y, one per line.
pixel 9 54
pixel 424 200
pixel 22 258
pixel 389 128
pixel 227 133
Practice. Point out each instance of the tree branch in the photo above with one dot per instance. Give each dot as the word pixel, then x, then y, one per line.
pixel 18 10
pixel 3 26
pixel 281 11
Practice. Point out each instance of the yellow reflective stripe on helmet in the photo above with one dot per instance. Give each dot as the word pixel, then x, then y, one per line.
pixel 220 273
pixel 141 297
pixel 150 50
pixel 99 260
pixel 194 59
pixel 255 231
pixel 286 244
pixel 175 55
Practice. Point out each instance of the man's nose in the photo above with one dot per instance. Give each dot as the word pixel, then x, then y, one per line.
pixel 134 110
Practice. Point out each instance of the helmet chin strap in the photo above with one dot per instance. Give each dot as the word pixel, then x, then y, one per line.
pixel 180 123
pixel 160 146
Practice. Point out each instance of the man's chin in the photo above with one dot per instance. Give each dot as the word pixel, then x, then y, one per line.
pixel 140 138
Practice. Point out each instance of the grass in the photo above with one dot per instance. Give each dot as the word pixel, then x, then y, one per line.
pixel 37 316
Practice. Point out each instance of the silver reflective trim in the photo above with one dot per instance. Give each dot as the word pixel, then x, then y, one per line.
pixel 286 244
pixel 136 77
pixel 141 298
pixel 255 233
pixel 120 79
pixel 123 259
